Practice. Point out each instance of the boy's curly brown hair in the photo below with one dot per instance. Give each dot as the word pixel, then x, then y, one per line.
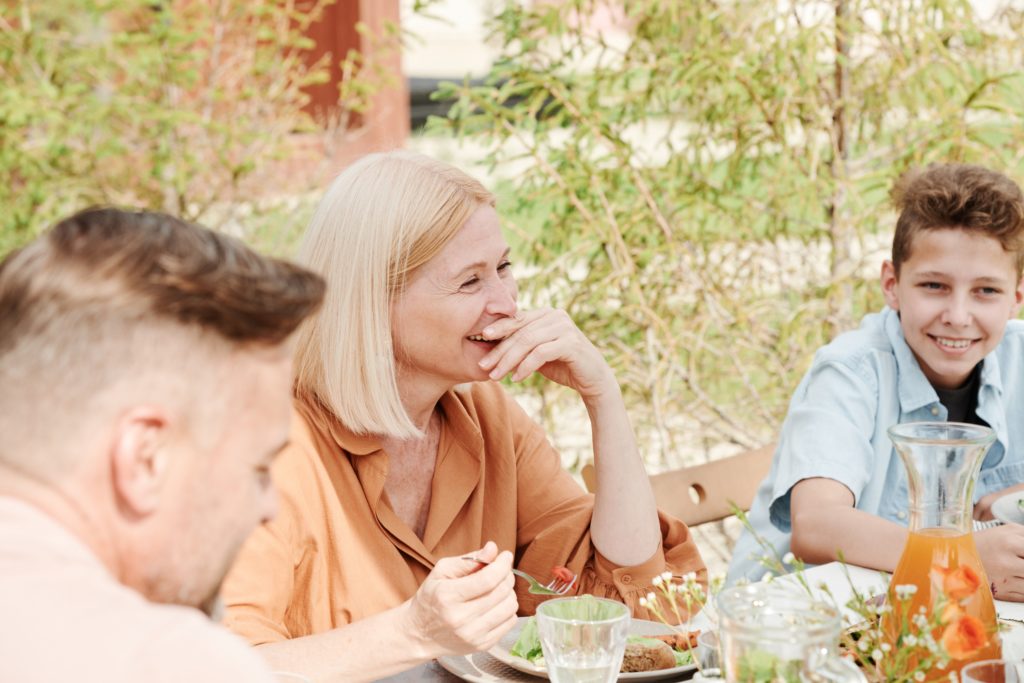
pixel 961 197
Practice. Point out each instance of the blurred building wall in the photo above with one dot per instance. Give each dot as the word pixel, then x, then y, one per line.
pixel 386 124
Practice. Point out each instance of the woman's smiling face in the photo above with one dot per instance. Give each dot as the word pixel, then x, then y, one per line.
pixel 954 294
pixel 436 321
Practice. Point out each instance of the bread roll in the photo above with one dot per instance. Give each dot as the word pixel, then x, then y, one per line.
pixel 649 655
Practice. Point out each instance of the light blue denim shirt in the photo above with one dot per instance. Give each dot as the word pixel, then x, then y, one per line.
pixel 857 387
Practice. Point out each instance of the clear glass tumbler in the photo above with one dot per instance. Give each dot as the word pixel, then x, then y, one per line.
pixel 583 638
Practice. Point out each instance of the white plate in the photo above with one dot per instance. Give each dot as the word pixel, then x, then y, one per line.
pixel 1005 509
pixel 498 664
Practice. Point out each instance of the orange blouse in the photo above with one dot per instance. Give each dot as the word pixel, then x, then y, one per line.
pixel 337 552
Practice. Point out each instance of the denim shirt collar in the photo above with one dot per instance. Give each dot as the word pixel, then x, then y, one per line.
pixel 915 390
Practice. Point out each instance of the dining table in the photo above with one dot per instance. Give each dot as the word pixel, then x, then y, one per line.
pixel 833 582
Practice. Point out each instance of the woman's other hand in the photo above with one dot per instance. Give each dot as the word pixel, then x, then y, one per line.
pixel 546 340
pixel 464 607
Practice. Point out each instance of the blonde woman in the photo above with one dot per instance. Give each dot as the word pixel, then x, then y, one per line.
pixel 405 449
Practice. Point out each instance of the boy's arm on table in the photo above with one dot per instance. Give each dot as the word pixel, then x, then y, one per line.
pixel 825 523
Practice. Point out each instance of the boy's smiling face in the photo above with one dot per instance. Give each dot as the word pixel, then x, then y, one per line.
pixel 954 294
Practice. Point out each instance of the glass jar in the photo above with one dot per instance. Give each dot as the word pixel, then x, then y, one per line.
pixel 777 633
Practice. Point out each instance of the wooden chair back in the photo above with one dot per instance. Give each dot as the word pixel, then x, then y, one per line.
pixel 705 493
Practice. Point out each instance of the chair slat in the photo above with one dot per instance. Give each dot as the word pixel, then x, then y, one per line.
pixel 705 493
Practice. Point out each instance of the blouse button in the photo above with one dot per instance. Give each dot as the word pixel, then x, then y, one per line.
pixel 626 578
pixel 935 410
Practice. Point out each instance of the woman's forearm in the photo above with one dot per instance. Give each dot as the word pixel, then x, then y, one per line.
pixel 625 526
pixel 367 650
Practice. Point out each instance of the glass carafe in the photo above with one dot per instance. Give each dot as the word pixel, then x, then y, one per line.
pixel 777 633
pixel 942 460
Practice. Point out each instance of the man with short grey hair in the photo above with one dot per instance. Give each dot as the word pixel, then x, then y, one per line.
pixel 145 388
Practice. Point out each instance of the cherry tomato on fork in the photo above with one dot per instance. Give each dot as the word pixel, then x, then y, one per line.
pixel 562 573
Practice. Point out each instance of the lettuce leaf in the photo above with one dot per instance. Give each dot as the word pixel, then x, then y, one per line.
pixel 527 646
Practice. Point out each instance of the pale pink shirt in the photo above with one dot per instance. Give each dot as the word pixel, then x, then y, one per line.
pixel 63 617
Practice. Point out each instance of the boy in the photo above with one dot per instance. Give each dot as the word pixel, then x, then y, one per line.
pixel 947 347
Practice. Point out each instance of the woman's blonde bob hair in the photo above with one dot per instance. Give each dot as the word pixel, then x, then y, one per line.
pixel 382 217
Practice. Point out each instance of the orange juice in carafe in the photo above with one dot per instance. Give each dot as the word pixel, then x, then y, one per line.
pixel 929 556
pixel 940 559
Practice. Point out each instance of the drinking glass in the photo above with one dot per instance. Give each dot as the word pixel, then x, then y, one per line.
pixel 777 632
pixel 993 671
pixel 583 638
pixel 709 660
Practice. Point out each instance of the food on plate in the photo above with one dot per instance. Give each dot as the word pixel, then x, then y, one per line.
pixel 563 574
pixel 686 640
pixel 651 652
pixel 647 654
pixel 527 645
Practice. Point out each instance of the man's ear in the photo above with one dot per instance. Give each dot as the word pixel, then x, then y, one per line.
pixel 139 458
pixel 889 281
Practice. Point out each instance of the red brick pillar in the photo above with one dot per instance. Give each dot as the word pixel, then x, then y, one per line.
pixel 386 124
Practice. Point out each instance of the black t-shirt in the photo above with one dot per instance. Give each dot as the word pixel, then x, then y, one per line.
pixel 962 402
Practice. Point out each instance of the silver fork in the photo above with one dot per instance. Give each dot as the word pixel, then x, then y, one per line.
pixel 555 586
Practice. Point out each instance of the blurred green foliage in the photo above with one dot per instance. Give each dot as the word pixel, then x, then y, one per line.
pixel 714 177
pixel 171 105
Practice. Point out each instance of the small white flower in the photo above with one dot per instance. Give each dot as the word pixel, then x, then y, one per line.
pixel 651 597
pixel 656 580
pixel 953 677
pixel 788 558
pixel 910 640
pixel 667 576
pixel 862 645
pixel 876 654
pixel 919 676
pixel 643 602
pixel 905 590
pixel 886 647
pixel 689 576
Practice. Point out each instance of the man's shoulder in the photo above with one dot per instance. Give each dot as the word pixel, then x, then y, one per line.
pixel 183 644
pixel 102 630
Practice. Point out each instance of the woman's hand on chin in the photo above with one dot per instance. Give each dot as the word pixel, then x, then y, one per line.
pixel 464 606
pixel 546 340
